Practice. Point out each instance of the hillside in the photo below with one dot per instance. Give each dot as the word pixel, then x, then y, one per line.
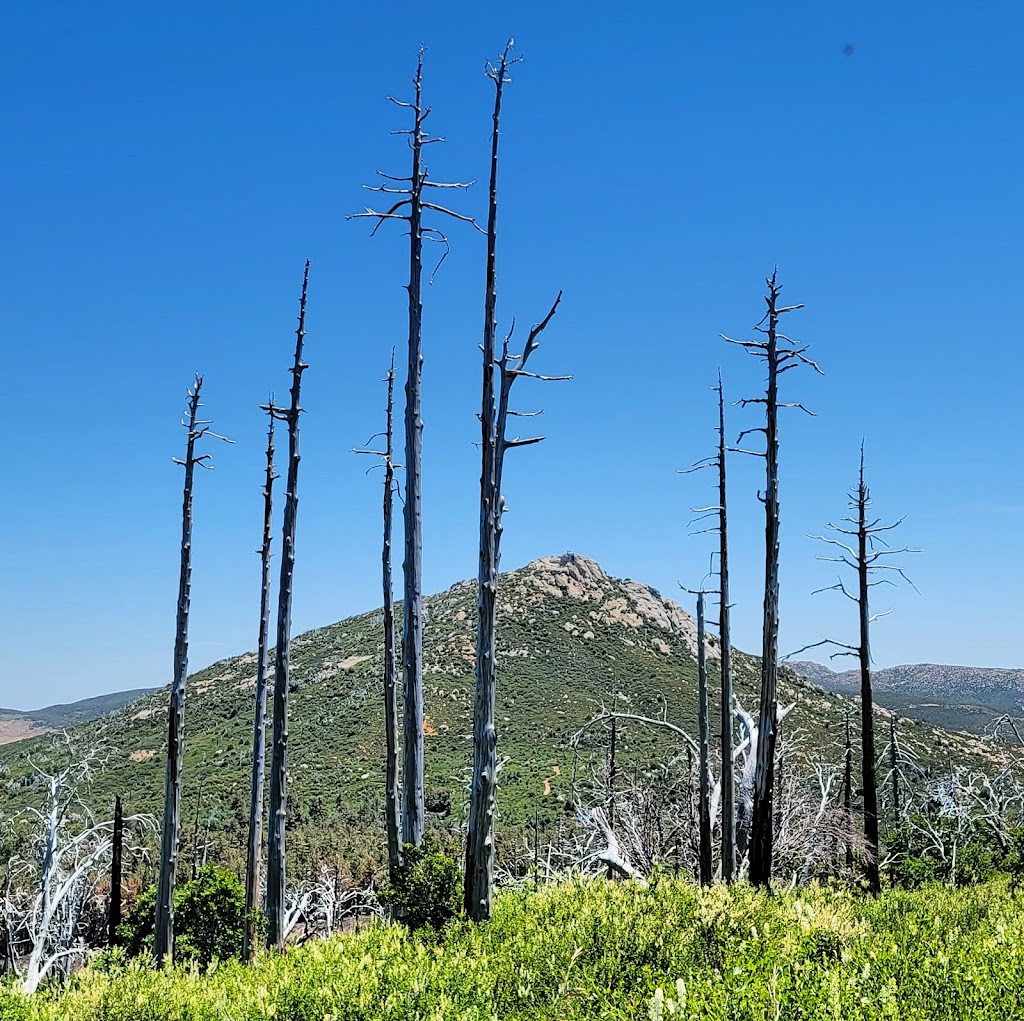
pixel 17 724
pixel 571 639
pixel 954 697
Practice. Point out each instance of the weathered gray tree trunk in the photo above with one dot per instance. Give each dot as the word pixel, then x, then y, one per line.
pixel 778 359
pixel 704 738
pixel 411 189
pixel 116 854
pixel 413 810
pixel 725 635
pixel 894 764
pixel 254 856
pixel 479 872
pixel 393 819
pixel 276 911
pixel 163 945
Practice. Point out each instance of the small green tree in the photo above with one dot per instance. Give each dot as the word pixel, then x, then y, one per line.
pixel 209 915
pixel 426 890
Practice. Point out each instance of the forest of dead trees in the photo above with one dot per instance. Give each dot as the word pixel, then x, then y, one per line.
pixel 733 805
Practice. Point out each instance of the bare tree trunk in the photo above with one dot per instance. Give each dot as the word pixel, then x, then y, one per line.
pixel 412 567
pixel 704 738
pixel 116 852
pixel 848 793
pixel 894 762
pixel 163 946
pixel 391 781
pixel 254 855
pixel 867 720
pixel 725 634
pixel 761 834
pixel 276 910
pixel 479 872
pixel 411 189
pixel 610 796
pixel 778 359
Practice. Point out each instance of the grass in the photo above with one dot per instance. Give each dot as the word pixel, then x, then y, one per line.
pixel 592 950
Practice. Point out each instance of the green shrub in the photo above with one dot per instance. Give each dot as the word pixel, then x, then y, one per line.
pixel 427 892
pixel 209 913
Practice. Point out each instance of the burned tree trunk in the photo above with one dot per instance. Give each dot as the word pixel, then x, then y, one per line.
pixel 479 873
pixel 259 735
pixel 276 910
pixel 392 793
pixel 869 781
pixel 725 636
pixel 411 189
pixel 116 854
pixel 163 943
pixel 704 738
pixel 779 354
pixel 865 558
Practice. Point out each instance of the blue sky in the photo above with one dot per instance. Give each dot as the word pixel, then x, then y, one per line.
pixel 169 167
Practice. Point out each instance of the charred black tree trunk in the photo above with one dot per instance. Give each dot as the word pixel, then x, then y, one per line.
pixel 869 781
pixel 479 872
pixel 254 855
pixel 866 556
pixel 163 943
pixel 779 354
pixel 279 754
pixel 116 853
pixel 704 737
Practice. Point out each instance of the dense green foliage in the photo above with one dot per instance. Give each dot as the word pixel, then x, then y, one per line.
pixel 427 892
pixel 616 952
pixel 209 912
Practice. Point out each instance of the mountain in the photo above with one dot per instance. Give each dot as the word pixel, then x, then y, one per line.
pixel 571 640
pixel 963 698
pixel 17 724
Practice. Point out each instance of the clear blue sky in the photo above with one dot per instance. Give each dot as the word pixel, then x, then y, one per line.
pixel 168 167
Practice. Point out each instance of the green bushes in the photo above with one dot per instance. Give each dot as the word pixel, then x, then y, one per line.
pixel 613 952
pixel 209 913
pixel 427 892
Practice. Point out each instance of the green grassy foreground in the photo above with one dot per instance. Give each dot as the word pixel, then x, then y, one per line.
pixel 596 950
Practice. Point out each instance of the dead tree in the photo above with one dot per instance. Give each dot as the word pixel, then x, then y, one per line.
pixel 718 462
pixel 780 354
pixel 116 857
pixel 499 373
pixel 392 810
pixel 276 906
pixel 163 944
pixel 704 739
pixel 862 549
pixel 848 793
pixel 412 202
pixel 254 854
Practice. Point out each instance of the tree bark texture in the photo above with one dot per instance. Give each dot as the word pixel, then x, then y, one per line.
pixel 116 854
pixel 276 914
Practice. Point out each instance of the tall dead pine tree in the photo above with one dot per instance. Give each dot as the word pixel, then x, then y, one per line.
pixel 254 853
pixel 392 810
pixel 163 944
pixel 780 354
pixel 704 739
pixel 499 373
pixel 862 550
pixel 721 512
pixel 413 204
pixel 279 754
